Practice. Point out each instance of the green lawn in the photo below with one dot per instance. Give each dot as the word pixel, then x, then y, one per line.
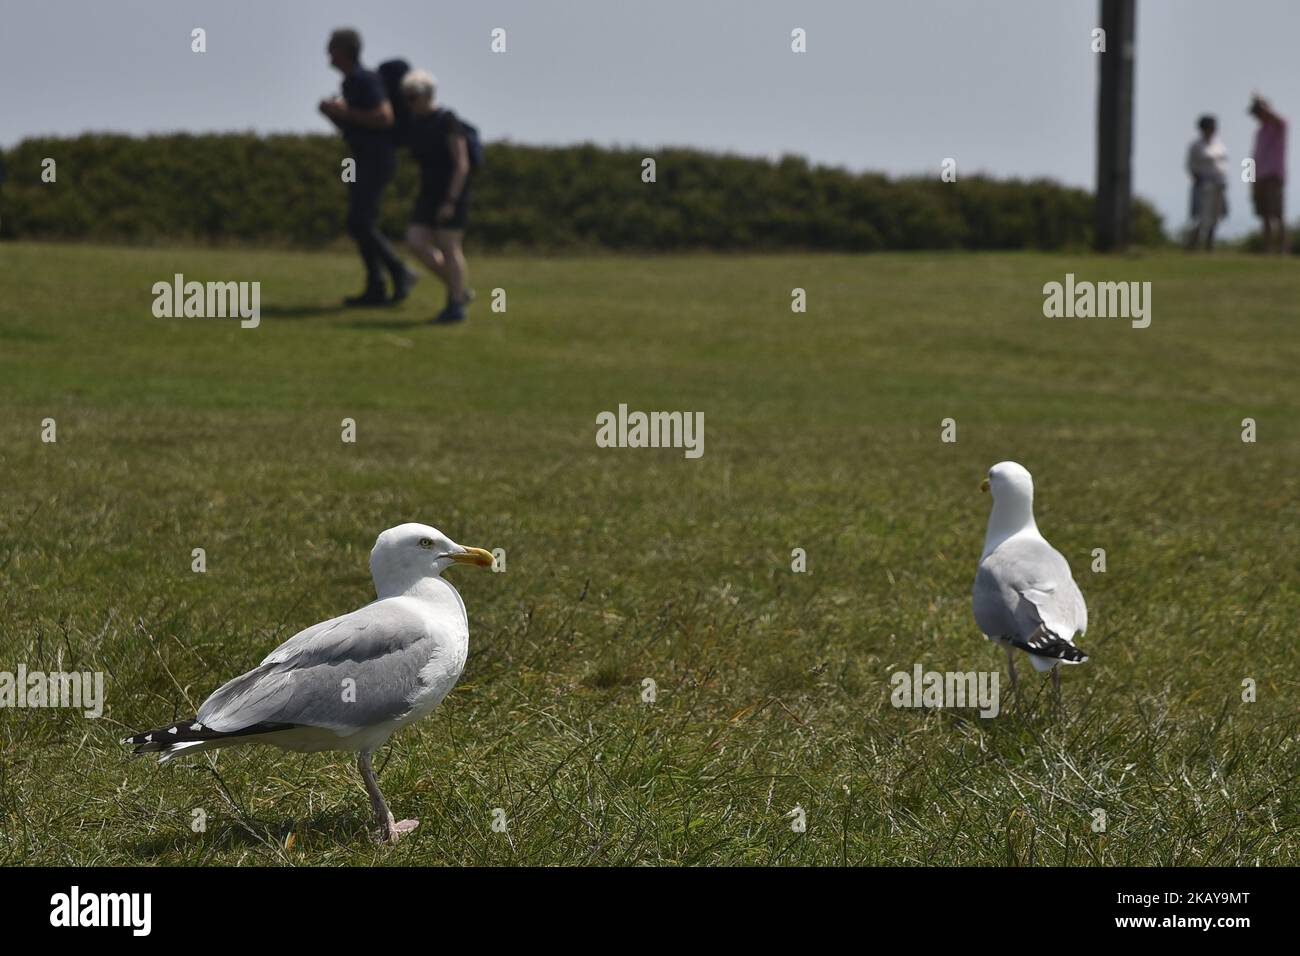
pixel 822 432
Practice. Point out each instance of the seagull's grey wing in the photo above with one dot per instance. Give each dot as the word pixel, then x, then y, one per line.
pixel 343 674
pixel 1024 585
pixel 994 605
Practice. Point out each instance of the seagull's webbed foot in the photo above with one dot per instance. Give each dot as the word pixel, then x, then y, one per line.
pixel 396 830
pixel 390 831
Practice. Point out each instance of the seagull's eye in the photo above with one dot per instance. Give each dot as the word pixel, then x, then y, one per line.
pixel 426 542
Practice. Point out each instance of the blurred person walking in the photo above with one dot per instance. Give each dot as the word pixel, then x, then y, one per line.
pixel 1207 163
pixel 365 117
pixel 444 147
pixel 1270 173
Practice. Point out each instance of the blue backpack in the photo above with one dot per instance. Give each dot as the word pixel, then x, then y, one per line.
pixel 473 144
pixel 392 72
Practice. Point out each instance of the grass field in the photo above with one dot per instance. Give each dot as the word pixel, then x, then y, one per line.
pixel 822 432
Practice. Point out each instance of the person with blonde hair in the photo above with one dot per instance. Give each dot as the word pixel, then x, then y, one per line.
pixel 440 145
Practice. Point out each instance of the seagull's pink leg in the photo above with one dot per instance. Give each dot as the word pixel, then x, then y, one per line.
pixel 390 831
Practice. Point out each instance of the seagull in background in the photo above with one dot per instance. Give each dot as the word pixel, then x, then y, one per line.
pixel 1025 596
pixel 351 682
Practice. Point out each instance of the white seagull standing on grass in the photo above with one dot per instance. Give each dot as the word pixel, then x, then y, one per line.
pixel 350 682
pixel 1024 594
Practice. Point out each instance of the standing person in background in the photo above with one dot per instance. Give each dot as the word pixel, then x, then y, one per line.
pixel 1270 173
pixel 1207 162
pixel 365 117
pixel 441 212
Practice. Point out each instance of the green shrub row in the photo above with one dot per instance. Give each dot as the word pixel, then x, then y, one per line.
pixel 239 187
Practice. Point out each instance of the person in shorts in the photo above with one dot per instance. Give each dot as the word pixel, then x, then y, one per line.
pixel 1270 173
pixel 441 211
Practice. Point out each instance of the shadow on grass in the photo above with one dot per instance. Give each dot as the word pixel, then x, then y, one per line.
pixel 333 829
pixel 388 324
pixel 363 320
pixel 302 311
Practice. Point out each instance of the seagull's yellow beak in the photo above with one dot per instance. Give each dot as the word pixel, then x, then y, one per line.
pixel 984 485
pixel 474 556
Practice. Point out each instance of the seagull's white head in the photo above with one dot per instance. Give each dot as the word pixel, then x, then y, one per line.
pixel 1013 502
pixel 407 554
pixel 1011 481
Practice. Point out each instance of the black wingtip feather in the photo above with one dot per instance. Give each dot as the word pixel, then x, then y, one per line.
pixel 1044 643
pixel 187 731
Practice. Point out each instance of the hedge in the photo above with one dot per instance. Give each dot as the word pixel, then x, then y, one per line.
pixel 286 189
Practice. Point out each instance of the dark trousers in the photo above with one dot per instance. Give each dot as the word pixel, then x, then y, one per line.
pixel 374 171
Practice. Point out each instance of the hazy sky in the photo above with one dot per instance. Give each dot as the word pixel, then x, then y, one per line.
pixel 1003 86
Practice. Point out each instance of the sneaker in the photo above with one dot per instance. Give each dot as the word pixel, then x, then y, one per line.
pixel 402 285
pixel 453 313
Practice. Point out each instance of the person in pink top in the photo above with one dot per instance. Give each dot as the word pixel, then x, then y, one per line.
pixel 1270 173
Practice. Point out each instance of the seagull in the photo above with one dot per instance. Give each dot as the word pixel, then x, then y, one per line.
pixel 1024 595
pixel 350 682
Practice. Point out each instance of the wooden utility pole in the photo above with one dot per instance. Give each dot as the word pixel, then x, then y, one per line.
pixel 1115 125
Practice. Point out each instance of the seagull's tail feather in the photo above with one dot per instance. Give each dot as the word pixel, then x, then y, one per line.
pixel 1043 643
pixel 185 735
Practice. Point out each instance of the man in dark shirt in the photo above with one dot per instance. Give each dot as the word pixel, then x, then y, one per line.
pixel 365 117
